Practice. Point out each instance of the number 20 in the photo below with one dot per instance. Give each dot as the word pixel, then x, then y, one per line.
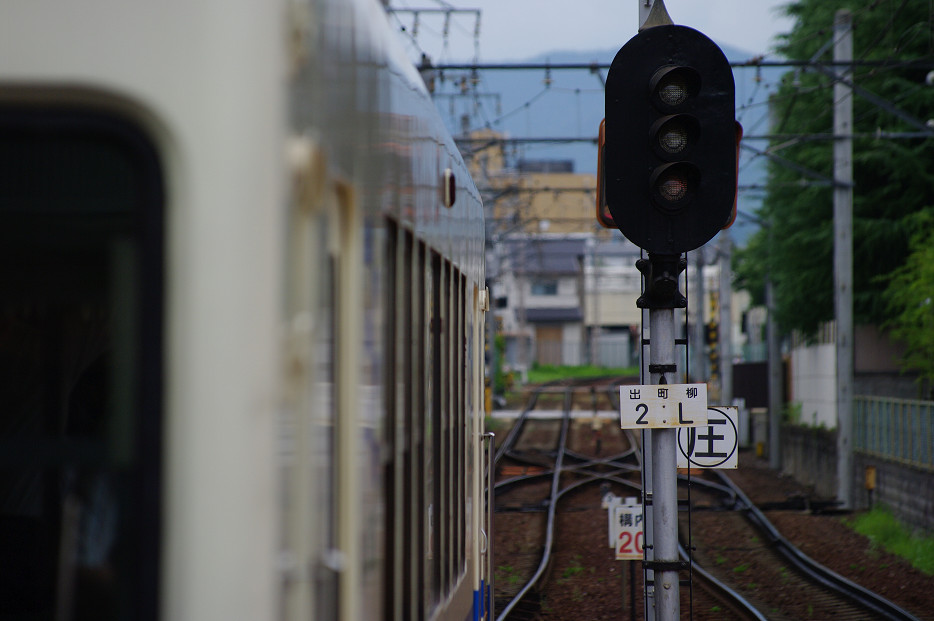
pixel 627 541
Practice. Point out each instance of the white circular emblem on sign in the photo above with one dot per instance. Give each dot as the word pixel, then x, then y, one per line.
pixel 711 445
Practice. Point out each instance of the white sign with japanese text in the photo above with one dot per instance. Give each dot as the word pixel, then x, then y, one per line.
pixel 627 521
pixel 662 405
pixel 712 445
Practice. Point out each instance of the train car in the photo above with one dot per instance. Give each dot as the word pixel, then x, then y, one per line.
pixel 241 319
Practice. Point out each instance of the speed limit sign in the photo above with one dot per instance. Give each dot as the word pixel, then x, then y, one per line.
pixel 630 539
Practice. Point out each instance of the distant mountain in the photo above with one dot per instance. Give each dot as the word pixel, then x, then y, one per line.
pixel 524 104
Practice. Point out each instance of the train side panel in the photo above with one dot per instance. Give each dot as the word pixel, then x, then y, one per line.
pixel 291 313
pixel 212 108
pixel 413 422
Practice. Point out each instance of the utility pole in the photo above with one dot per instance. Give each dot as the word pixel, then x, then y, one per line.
pixel 697 303
pixel 726 319
pixel 595 313
pixel 843 251
pixel 775 376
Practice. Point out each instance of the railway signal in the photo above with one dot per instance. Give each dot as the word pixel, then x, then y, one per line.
pixel 667 175
pixel 670 140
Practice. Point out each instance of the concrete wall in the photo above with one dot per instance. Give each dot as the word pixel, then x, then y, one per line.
pixel 908 491
pixel 814 383
pixel 876 372
pixel 810 456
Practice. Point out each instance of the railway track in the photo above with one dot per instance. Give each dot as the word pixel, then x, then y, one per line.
pixel 536 453
pixel 542 462
pixel 825 593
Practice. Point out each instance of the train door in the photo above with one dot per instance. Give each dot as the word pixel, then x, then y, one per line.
pixel 321 423
pixel 81 306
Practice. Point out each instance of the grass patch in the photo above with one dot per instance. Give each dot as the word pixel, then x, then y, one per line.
pixel 508 574
pixel 573 569
pixel 539 374
pixel 881 527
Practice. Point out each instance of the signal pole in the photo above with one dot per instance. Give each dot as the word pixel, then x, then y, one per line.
pixel 668 195
pixel 661 298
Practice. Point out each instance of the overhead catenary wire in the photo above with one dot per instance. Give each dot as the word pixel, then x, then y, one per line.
pixel 813 66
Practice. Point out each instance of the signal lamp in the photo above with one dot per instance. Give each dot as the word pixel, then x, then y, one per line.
pixel 672 86
pixel 669 149
pixel 673 185
pixel 674 135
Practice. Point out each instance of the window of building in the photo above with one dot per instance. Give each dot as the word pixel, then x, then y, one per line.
pixel 545 287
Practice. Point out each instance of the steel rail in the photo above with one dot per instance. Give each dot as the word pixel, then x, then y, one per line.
pixel 509 441
pixel 619 469
pixel 723 592
pixel 557 491
pixel 552 505
pixel 811 568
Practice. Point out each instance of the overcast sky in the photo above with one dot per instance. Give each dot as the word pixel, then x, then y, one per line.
pixel 519 29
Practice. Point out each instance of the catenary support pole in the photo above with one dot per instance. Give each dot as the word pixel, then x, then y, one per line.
pixel 699 328
pixel 843 254
pixel 775 377
pixel 726 319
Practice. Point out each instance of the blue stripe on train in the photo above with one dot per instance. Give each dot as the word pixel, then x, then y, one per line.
pixel 479 602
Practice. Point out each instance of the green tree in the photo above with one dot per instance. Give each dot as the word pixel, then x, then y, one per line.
pixel 893 178
pixel 911 299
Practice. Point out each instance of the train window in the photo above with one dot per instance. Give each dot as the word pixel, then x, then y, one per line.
pixel 325 433
pixel 412 416
pixel 460 408
pixel 393 430
pixel 400 584
pixel 421 431
pixel 81 305
pixel 427 427
pixel 435 460
pixel 446 427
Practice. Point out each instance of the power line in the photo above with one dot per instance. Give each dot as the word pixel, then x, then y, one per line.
pixel 489 141
pixel 751 63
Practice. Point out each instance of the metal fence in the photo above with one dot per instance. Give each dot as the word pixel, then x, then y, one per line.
pixel 900 430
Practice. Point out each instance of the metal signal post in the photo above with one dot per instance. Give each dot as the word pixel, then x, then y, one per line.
pixel 667 181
